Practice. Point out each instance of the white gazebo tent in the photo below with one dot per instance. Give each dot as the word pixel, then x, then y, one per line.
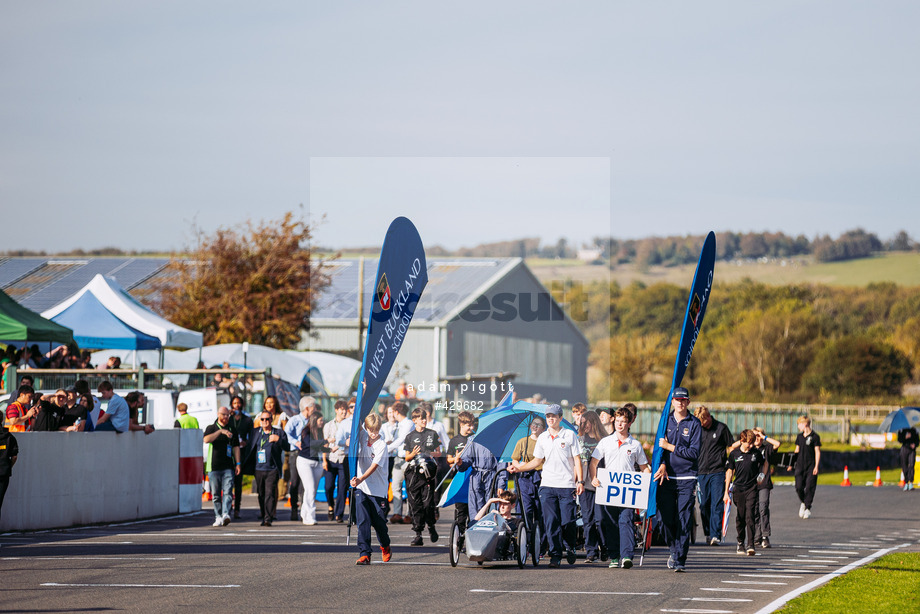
pixel 127 309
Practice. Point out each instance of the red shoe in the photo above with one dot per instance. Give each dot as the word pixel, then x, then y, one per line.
pixel 386 554
pixel 407 520
pixel 396 519
pixel 363 560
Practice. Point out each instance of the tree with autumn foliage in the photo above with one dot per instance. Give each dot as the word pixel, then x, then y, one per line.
pixel 254 283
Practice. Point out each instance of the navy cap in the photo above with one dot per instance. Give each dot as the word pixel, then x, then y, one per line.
pixel 681 393
pixel 554 409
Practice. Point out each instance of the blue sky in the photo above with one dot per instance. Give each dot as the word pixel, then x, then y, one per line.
pixel 125 124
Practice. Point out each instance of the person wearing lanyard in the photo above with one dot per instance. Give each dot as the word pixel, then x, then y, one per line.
pixel 561 481
pixel 265 452
pixel 676 477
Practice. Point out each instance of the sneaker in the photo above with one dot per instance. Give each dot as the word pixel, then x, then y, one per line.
pixel 432 534
pixel 570 557
pixel 331 511
pixel 614 564
pixel 679 568
pixel 807 514
pixel 387 554
pixel 765 543
pixel 802 511
pixel 554 562
pixel 309 523
pixel 590 559
pixel 363 560
pixel 218 523
pixel 226 519
pixel 740 549
pixel 714 541
pixel 627 563
pixel 750 550
pixel 417 541
pixel 671 562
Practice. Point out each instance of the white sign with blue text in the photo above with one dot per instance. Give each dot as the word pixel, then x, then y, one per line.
pixel 623 488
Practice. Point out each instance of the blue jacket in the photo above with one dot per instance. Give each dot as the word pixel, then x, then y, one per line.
pixel 685 435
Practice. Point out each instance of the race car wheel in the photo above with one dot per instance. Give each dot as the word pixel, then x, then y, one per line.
pixel 454 549
pixel 522 546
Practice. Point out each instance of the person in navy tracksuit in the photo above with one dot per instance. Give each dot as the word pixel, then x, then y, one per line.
pixel 676 477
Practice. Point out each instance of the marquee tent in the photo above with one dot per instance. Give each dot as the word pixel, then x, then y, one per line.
pixel 135 315
pixel 20 324
pixel 95 326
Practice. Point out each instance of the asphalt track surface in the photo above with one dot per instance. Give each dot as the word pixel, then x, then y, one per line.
pixel 184 564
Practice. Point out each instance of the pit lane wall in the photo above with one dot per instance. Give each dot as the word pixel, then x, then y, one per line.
pixel 70 479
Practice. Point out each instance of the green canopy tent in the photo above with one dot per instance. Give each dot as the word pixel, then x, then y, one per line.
pixel 20 324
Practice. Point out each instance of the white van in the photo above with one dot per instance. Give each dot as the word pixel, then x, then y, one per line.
pixel 203 403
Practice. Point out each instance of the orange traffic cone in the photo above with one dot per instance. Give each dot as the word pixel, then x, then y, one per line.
pixel 878 476
pixel 901 482
pixel 846 477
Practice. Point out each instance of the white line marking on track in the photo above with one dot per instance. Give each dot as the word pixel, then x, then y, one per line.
pixel 758 575
pixel 749 583
pixel 792 570
pixel 807 560
pixel 408 563
pixel 697 611
pixel 486 590
pixel 833 552
pixel 856 545
pixel 726 599
pixel 735 590
pixel 61 585
pixel 799 564
pixel 778 603
pixel 89 558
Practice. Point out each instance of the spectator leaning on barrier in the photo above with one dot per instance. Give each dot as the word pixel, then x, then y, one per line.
pixel 225 464
pixel 20 415
pixel 117 415
pixel 715 440
pixel 51 409
pixel 135 401
pixel 185 421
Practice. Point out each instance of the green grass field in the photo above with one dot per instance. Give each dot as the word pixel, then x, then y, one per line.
pixel 888 584
pixel 899 267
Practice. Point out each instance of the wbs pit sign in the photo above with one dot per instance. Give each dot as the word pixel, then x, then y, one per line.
pixel 623 488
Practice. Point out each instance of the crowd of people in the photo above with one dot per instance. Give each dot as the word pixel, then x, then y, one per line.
pixel 74 409
pixel 554 472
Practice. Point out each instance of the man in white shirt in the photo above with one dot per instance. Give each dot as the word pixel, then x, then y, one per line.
pixel 404 426
pixel 561 482
pixel 620 453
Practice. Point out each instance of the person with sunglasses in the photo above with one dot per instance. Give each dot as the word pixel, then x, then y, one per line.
pixel 265 455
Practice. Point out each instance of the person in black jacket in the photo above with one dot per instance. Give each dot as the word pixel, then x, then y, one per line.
pixel 264 459
pixel 9 451
pixel 908 440
pixel 715 439
pixel 242 425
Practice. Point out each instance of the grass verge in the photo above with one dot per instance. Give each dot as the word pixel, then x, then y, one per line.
pixel 888 584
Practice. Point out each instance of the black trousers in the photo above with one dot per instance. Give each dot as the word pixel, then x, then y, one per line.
pixel 421 492
pixel 4 484
pixel 745 505
pixel 267 483
pixel 908 458
pixel 805 485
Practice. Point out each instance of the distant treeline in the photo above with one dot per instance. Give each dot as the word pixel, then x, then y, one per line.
pixel 102 252
pixel 799 343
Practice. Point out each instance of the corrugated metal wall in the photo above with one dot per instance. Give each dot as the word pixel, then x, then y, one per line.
pixel 538 362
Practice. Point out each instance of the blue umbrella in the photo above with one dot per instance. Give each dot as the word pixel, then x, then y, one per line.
pixel 501 428
pixel 903 418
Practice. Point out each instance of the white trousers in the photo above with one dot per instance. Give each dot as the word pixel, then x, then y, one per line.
pixel 309 472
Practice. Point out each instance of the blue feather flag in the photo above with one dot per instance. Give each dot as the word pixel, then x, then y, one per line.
pixel 402 275
pixel 693 320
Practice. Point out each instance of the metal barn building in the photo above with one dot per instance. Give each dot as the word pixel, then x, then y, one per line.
pixel 477 316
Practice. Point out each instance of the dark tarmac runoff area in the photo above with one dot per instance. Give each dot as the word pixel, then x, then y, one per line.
pixel 182 563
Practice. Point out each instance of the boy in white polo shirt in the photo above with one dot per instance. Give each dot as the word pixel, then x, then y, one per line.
pixel 562 480
pixel 620 453
pixel 371 490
